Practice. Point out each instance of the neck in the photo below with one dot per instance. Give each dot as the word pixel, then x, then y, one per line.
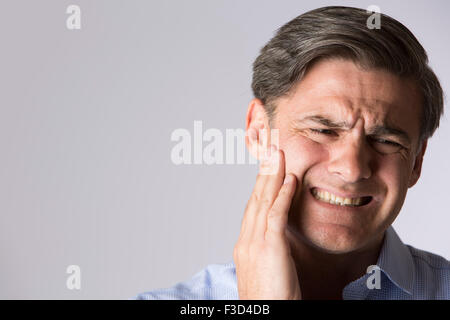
pixel 323 275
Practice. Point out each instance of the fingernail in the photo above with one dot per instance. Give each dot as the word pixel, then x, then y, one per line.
pixel 287 179
pixel 273 149
pixel 271 153
pixel 268 154
pixel 252 134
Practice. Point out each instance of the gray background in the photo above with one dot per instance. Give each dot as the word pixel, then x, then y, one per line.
pixel 85 123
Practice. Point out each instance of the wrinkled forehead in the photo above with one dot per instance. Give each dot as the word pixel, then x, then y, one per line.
pixel 341 91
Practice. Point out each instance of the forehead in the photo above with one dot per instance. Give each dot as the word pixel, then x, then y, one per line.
pixel 342 91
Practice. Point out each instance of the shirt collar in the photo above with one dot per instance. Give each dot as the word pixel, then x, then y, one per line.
pixel 396 262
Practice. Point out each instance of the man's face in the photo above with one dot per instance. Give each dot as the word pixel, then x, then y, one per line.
pixel 352 134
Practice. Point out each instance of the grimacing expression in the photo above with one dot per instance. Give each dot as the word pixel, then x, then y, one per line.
pixel 350 136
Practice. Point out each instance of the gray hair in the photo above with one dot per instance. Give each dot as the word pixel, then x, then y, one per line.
pixel 342 32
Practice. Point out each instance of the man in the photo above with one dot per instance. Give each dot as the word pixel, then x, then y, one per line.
pixel 353 108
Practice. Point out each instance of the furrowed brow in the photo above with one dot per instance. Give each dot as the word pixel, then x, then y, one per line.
pixel 324 121
pixel 390 131
pixel 379 130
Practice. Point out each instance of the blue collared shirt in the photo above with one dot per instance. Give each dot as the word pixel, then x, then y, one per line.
pixel 405 273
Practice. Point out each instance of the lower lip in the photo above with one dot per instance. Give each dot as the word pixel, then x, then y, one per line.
pixel 339 207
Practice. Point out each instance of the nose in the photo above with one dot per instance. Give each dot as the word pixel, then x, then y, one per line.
pixel 351 160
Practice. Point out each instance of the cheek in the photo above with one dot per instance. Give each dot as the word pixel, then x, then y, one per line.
pixel 394 174
pixel 302 153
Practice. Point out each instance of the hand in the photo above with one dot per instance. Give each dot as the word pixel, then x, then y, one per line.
pixel 265 268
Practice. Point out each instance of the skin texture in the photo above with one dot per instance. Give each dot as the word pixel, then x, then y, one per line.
pixel 291 245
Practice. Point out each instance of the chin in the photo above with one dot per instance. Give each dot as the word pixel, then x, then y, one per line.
pixel 333 238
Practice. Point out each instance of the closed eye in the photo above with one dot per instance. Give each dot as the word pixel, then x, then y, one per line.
pixel 323 131
pixel 381 145
pixel 388 142
pixel 385 146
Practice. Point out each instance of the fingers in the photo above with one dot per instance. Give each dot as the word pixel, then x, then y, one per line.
pixel 248 221
pixel 271 189
pixel 277 217
pixel 267 187
pixel 263 250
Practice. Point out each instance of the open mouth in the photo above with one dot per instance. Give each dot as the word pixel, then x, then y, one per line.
pixel 327 197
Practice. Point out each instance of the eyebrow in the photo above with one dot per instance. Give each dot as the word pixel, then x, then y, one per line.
pixel 379 130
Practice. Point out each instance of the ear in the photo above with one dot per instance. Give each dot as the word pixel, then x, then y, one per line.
pixel 257 137
pixel 417 165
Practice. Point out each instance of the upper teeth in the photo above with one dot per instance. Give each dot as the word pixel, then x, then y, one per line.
pixel 333 199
